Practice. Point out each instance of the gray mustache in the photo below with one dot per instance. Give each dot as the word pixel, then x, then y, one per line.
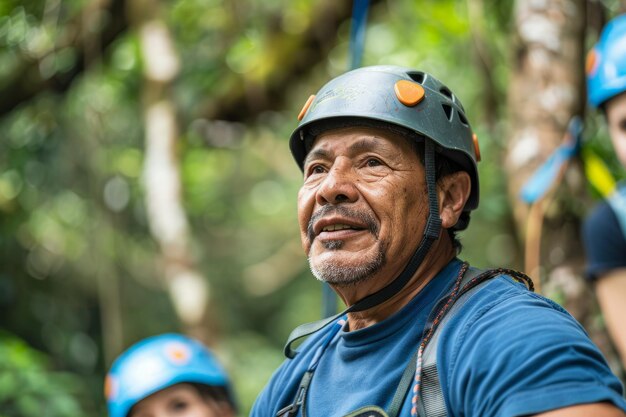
pixel 363 218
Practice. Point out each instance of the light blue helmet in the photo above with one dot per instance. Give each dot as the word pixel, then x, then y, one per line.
pixel 606 63
pixel 156 363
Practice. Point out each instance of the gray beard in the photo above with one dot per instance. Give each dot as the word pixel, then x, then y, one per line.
pixel 342 276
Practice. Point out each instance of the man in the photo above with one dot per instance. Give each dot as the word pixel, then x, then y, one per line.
pixel 389 164
pixel 169 375
pixel 605 229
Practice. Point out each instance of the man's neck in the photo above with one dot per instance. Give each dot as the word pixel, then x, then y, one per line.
pixel 439 255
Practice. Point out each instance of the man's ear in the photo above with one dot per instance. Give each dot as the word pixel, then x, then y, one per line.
pixel 454 190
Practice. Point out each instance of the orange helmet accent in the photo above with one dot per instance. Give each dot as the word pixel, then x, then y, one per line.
pixel 476 147
pixel 109 388
pixel 408 92
pixel 591 62
pixel 178 353
pixel 306 106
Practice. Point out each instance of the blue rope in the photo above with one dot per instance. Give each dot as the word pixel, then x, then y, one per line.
pixel 357 32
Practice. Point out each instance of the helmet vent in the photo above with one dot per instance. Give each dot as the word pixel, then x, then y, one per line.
pixel 418 77
pixel 448 110
pixel 463 119
pixel 446 92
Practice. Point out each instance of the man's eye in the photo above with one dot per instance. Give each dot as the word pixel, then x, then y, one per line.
pixel 179 405
pixel 373 162
pixel 317 169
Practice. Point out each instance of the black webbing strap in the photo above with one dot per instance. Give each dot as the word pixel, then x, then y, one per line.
pixel 431 233
pixel 305 330
pixel 403 387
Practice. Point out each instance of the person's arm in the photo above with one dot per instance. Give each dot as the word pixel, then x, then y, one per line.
pixel 611 293
pixel 585 410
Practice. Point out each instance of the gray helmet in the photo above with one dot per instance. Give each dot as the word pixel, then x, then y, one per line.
pixel 394 97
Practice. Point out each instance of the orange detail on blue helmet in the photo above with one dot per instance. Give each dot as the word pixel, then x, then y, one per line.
pixel 606 63
pixel 591 63
pixel 110 388
pixel 178 353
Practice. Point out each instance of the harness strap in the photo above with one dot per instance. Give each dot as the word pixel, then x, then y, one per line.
pixel 292 409
pixel 432 402
pixel 403 387
pixel 299 401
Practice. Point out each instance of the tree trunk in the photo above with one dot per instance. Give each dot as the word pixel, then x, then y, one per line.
pixel 546 90
pixel 186 286
pixel 484 60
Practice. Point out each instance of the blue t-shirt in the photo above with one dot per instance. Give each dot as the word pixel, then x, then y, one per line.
pixel 605 244
pixel 508 352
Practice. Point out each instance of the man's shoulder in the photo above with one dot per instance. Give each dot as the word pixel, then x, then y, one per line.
pixel 505 310
pixel 505 294
pixel 520 352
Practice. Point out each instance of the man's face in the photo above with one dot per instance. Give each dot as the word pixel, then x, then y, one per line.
pixel 616 117
pixel 180 400
pixel 363 205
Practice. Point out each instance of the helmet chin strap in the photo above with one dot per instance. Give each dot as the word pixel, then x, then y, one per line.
pixel 431 233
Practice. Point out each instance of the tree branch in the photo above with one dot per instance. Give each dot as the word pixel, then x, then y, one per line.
pixel 292 58
pixel 27 81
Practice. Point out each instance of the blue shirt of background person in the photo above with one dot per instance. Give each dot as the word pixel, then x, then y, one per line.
pixel 605 229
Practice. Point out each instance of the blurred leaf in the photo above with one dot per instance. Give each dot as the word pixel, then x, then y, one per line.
pixel 28 385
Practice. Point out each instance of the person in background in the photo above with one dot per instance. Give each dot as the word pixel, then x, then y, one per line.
pixel 390 176
pixel 169 375
pixel 604 230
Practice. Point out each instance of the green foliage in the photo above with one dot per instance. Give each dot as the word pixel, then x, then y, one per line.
pixel 28 386
pixel 71 190
pixel 597 139
pixel 72 214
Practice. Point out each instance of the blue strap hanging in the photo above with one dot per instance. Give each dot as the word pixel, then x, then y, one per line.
pixel 543 178
pixel 357 40
pixel 357 32
pixel 329 301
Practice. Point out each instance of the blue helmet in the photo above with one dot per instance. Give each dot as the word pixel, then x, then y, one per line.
pixel 156 363
pixel 606 63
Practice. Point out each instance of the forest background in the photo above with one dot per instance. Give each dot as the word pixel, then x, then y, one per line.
pixel 146 184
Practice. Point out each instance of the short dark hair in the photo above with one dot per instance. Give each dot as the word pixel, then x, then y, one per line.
pixel 213 393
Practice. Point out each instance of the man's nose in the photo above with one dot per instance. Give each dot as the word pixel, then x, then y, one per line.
pixel 339 185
